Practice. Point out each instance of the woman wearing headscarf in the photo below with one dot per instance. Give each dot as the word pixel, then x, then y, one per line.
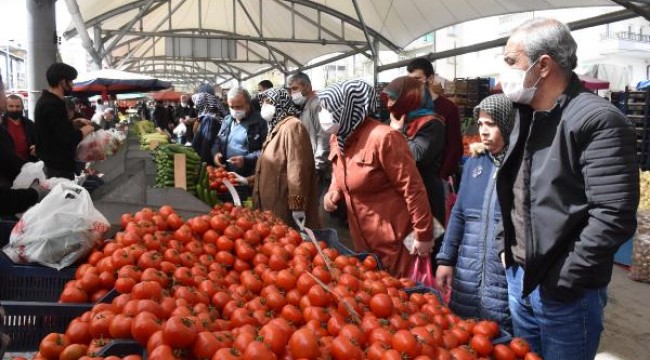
pixel 374 172
pixel 209 111
pixel 411 108
pixel 285 175
pixel 468 262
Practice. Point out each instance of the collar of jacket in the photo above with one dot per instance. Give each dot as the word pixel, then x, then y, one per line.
pixel 573 89
pixel 355 133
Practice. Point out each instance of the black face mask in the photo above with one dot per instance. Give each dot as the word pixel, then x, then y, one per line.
pixel 14 114
pixel 68 91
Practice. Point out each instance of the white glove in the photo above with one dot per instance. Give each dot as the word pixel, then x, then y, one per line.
pixel 417 247
pixel 240 179
pixel 423 248
pixel 299 218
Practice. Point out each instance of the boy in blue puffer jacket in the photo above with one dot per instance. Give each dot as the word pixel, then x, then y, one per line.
pixel 469 263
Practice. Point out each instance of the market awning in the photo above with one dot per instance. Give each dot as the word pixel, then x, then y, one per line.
pixel 593 83
pixel 111 81
pixel 202 40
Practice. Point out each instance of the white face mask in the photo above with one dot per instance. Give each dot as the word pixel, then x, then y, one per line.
pixel 298 98
pixel 512 83
pixel 238 114
pixel 267 112
pixel 327 122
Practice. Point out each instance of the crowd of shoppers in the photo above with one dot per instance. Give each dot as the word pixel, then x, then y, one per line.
pixel 545 199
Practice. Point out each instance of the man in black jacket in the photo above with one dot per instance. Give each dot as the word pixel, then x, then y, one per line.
pixel 18 200
pixel 568 190
pixel 56 138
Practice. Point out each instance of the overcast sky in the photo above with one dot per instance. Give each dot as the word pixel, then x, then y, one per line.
pixel 13 20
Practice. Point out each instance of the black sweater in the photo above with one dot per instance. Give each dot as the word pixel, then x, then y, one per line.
pixel 56 138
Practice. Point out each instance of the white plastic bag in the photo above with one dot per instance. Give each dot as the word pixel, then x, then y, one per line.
pixel 63 228
pixel 180 129
pixel 28 173
pixel 99 144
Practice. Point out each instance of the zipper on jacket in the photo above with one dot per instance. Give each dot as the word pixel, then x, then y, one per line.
pixel 488 205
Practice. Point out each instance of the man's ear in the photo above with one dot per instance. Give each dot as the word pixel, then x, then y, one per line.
pixel 545 64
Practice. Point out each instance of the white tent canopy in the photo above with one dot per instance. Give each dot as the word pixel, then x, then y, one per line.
pixel 223 39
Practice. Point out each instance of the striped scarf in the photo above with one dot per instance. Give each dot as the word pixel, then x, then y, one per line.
pixel 207 104
pixel 281 99
pixel 349 102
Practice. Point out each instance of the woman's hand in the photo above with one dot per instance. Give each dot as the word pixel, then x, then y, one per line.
pixel 331 199
pixel 444 277
pixel 397 124
pixel 240 179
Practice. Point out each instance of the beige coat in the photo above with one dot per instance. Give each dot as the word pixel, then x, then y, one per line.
pixel 285 174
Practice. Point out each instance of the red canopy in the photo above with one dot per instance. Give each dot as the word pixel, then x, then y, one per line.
pixel 167 95
pixel 593 83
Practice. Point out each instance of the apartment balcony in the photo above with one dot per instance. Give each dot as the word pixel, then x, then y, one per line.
pixel 625 43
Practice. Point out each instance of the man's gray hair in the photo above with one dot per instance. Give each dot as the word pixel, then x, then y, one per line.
pixel 239 90
pixel 543 36
pixel 301 78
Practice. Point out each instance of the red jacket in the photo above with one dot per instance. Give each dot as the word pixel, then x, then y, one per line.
pixel 385 197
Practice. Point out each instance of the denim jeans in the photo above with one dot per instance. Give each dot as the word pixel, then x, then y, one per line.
pixel 556 330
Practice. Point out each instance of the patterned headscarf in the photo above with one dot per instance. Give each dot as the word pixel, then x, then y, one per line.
pixel 207 103
pixel 281 99
pixel 500 109
pixel 349 102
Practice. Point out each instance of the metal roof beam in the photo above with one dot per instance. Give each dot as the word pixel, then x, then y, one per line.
pixel 158 26
pixel 329 60
pixel 311 21
pixel 109 14
pixel 241 42
pixel 350 20
pixel 126 27
pixel 75 13
pixel 576 25
pixel 171 60
pixel 224 36
pixel 365 29
pixel 633 7
pixel 259 32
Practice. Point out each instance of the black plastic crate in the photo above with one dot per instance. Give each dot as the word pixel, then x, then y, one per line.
pixel 27 323
pixel 244 192
pixel 31 282
pixel 330 237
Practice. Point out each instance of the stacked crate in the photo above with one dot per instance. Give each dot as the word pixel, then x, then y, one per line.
pixel 635 105
pixel 467 93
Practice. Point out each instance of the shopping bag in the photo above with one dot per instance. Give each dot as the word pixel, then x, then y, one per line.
pixel 180 129
pixel 450 200
pixel 422 272
pixel 28 173
pixel 63 228
pixel 99 144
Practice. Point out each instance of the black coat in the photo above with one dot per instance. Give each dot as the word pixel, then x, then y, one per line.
pixel 10 163
pixel 56 138
pixel 580 167
pixel 12 201
pixel 427 147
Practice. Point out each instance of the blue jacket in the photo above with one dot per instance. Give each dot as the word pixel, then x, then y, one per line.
pixel 205 137
pixel 256 135
pixel 479 288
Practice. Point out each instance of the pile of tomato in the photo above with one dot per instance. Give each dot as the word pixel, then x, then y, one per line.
pixel 239 284
pixel 216 176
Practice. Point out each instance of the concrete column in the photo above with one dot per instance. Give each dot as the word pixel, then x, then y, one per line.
pixel 41 46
